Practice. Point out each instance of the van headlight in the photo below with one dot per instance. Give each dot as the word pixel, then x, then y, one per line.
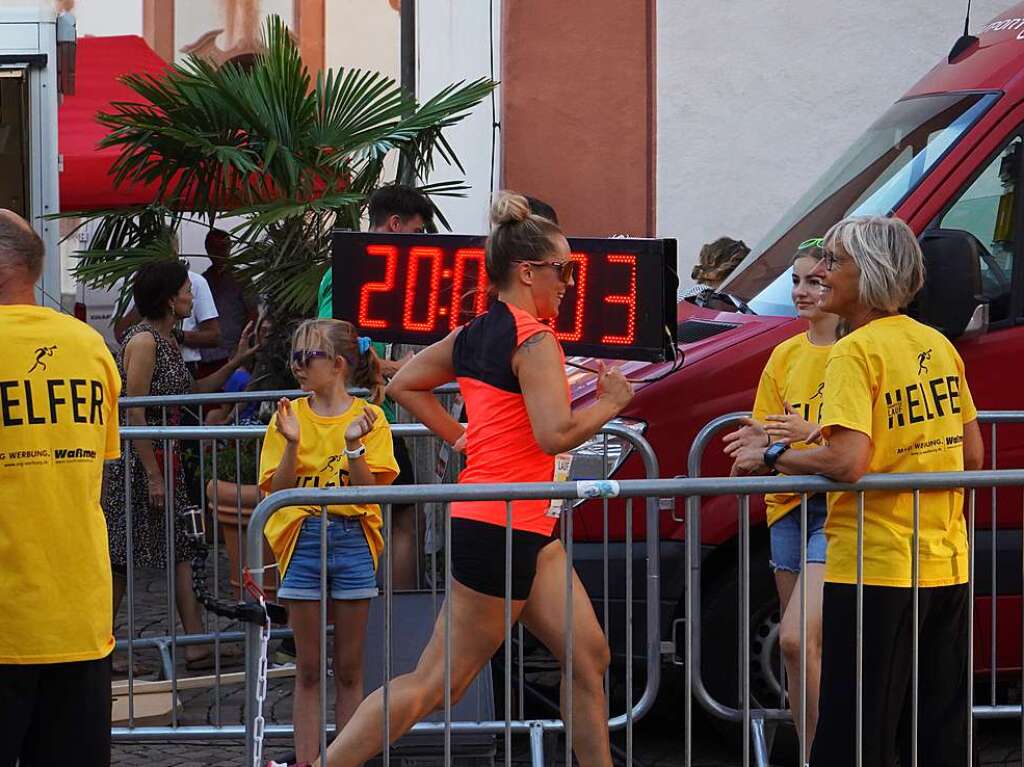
pixel 602 455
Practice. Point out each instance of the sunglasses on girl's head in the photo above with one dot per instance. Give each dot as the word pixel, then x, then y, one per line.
pixel 814 242
pixel 566 269
pixel 303 357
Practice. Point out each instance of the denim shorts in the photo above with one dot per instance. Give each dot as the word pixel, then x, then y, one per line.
pixel 350 573
pixel 785 535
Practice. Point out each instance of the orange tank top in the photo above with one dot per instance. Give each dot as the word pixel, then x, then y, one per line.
pixel 500 446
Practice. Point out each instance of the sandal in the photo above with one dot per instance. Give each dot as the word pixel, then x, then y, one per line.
pixel 230 655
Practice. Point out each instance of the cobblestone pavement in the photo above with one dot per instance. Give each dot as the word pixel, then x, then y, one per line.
pixel 657 740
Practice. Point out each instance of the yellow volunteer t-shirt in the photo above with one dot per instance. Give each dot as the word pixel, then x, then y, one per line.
pixel 902 384
pixel 321 462
pixel 795 373
pixel 58 422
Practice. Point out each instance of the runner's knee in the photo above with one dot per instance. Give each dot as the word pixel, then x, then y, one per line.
pixel 592 657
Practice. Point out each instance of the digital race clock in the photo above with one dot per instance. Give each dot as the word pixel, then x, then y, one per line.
pixel 416 288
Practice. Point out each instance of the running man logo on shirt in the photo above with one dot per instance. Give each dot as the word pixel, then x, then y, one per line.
pixel 923 357
pixel 332 460
pixel 331 475
pixel 41 353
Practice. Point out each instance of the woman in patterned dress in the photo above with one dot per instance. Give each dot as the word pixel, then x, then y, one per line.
pixel 150 363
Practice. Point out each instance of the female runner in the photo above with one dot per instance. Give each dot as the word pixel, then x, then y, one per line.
pixel 511 371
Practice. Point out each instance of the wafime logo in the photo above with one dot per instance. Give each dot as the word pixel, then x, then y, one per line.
pixel 41 354
pixel 73 454
pixel 922 358
pixel 820 391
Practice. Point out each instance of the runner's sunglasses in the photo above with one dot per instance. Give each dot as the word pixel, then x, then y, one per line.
pixel 566 269
pixel 814 242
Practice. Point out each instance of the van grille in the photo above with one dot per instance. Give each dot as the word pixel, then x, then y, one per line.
pixel 691 331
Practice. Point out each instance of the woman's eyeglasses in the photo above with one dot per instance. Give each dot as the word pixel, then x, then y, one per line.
pixel 566 269
pixel 832 261
pixel 303 357
pixel 830 258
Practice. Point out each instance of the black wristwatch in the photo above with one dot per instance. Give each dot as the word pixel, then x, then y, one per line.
pixel 771 455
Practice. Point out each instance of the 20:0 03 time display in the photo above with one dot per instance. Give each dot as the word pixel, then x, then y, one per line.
pixel 417 288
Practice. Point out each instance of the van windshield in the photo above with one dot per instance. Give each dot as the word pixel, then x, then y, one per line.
pixel 872 177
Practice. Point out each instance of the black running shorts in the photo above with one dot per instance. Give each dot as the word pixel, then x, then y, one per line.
pixel 478 557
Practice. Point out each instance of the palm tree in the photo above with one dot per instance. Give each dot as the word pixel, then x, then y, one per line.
pixel 264 141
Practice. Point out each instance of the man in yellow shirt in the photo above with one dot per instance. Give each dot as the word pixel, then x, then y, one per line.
pixel 58 423
pixel 896 401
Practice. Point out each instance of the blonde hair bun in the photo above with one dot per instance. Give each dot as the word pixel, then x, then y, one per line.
pixel 509 208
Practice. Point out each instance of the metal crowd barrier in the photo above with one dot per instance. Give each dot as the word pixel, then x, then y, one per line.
pixel 222 397
pixel 168 645
pixel 629 489
pixel 755 719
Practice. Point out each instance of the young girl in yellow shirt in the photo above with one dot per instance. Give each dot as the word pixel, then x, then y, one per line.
pixel 787 409
pixel 326 440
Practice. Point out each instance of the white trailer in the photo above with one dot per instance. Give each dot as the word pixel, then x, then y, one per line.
pixel 29 160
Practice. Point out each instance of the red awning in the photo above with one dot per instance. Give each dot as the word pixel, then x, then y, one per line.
pixel 86 183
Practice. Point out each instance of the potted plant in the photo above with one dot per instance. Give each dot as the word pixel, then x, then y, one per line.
pixel 292 156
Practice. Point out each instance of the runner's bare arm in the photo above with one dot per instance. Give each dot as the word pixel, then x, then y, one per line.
pixel 556 427
pixel 413 387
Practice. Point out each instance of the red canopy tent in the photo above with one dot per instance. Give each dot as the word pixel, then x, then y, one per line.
pixel 86 182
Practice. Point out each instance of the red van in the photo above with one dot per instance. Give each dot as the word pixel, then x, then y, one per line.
pixel 947 158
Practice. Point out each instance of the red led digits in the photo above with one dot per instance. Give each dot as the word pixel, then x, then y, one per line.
pixel 415 256
pixel 390 252
pixel 628 299
pixel 581 301
pixel 462 255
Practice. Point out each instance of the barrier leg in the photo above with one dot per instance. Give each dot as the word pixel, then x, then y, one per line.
pixel 507 676
pixel 388 606
pixel 757 734
pixel 970 627
pixel 859 753
pixel 744 643
pixel 567 675
pixel 323 630
pixel 536 745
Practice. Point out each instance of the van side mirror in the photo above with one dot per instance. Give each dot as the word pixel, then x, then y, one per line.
pixel 951 300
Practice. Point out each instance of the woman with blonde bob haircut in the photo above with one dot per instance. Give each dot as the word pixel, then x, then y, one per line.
pixel 896 401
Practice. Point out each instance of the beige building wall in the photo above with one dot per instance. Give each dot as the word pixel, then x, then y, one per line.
pixel 241 22
pixel 108 17
pixel 757 99
pixel 363 34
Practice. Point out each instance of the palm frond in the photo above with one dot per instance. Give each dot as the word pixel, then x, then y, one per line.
pixel 292 154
